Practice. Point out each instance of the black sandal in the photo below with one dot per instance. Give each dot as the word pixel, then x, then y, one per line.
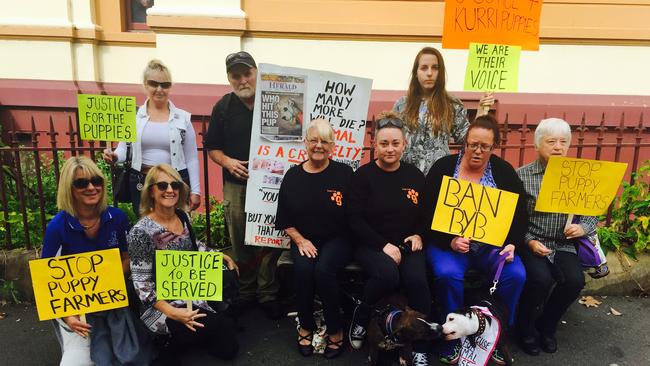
pixel 333 352
pixel 305 350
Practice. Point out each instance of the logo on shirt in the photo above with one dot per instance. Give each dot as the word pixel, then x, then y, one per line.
pixel 412 195
pixel 337 197
pixel 112 241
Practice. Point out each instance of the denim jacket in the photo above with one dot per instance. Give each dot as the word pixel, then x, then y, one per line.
pixel 179 121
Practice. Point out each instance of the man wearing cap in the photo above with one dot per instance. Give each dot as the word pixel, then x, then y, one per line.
pixel 228 143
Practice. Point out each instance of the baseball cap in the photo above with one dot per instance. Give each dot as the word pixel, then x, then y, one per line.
pixel 241 57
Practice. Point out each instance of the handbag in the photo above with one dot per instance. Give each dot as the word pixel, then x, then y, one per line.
pixel 122 184
pixel 587 251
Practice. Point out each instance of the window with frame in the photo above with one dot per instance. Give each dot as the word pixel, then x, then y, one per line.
pixel 136 14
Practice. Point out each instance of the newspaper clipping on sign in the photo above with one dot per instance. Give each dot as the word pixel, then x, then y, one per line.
pixel 286 100
pixel 283 98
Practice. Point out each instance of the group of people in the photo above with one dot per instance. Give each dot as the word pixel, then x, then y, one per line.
pixel 379 216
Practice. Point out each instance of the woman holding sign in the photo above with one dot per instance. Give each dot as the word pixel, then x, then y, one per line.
pixel 384 214
pixel 86 224
pixel 311 210
pixel 165 226
pixel 550 254
pixel 451 256
pixel 164 134
pixel 431 114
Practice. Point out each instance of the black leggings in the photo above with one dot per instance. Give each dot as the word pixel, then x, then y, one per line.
pixel 319 275
pixel 218 337
pixel 534 307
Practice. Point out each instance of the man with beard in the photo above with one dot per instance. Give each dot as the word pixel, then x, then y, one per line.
pixel 228 142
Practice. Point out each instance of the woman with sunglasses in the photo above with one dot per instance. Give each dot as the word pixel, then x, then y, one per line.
pixel 85 224
pixel 451 256
pixel 432 115
pixel 164 135
pixel 384 213
pixel 311 210
pixel 165 226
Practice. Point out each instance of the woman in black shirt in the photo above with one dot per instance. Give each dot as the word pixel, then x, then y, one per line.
pixel 383 213
pixel 311 210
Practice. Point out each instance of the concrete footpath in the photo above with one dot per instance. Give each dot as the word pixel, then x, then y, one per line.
pixel 587 336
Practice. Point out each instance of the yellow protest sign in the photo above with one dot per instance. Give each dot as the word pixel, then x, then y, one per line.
pixel 579 186
pixel 183 275
pixel 78 284
pixel 106 117
pixel 492 67
pixel 474 211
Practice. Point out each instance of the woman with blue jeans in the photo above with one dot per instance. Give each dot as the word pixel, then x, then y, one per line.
pixel 451 256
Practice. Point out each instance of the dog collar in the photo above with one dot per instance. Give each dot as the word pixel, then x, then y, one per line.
pixel 388 322
pixel 482 322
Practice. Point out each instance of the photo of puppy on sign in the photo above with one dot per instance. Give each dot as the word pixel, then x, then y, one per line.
pixel 393 329
pixel 482 335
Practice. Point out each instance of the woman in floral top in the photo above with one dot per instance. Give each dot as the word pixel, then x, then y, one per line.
pixel 164 225
pixel 431 114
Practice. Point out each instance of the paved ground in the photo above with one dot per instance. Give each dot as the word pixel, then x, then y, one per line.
pixel 588 336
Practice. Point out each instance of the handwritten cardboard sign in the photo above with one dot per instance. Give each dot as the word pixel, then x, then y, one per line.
pixel 185 275
pixel 513 22
pixel 474 211
pixel 579 186
pixel 78 284
pixel 106 117
pixel 492 67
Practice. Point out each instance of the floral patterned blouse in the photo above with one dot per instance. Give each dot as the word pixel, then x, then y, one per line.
pixel 423 147
pixel 144 238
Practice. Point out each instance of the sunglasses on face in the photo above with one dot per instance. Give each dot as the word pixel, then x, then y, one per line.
pixel 176 185
pixel 155 84
pixel 390 122
pixel 82 183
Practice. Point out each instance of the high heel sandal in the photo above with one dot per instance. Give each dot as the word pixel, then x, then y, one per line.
pixel 331 352
pixel 305 350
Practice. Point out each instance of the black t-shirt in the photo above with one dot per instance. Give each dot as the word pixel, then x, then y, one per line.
pixel 230 130
pixel 314 203
pixel 384 207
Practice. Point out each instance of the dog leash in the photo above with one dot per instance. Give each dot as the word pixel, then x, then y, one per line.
pixel 500 262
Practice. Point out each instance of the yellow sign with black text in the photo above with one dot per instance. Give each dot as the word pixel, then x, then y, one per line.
pixel 78 284
pixel 474 211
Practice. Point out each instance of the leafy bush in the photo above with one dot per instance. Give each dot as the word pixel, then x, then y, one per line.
pixel 629 227
pixel 9 291
pixel 31 200
pixel 218 232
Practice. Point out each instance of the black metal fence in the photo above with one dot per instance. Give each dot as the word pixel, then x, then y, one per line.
pixel 21 148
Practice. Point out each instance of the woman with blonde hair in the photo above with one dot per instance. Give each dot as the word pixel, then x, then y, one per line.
pixel 85 224
pixel 164 134
pixel 432 116
pixel 165 226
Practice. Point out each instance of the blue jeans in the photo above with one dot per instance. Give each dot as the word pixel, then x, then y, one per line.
pixel 449 269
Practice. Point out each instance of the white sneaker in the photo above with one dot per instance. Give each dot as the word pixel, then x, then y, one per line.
pixel 357 333
pixel 420 359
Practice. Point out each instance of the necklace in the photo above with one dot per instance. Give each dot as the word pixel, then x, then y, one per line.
pixel 88 227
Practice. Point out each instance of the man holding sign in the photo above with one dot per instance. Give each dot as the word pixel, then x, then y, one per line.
pixel 550 254
pixel 459 245
pixel 84 273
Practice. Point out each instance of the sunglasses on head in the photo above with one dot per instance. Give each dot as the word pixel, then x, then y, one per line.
pixel 82 183
pixel 156 84
pixel 390 122
pixel 176 185
pixel 240 54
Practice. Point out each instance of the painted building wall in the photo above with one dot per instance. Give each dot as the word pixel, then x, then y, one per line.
pixel 587 46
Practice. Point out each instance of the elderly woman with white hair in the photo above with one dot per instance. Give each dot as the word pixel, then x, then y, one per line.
pixel 550 255
pixel 311 210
